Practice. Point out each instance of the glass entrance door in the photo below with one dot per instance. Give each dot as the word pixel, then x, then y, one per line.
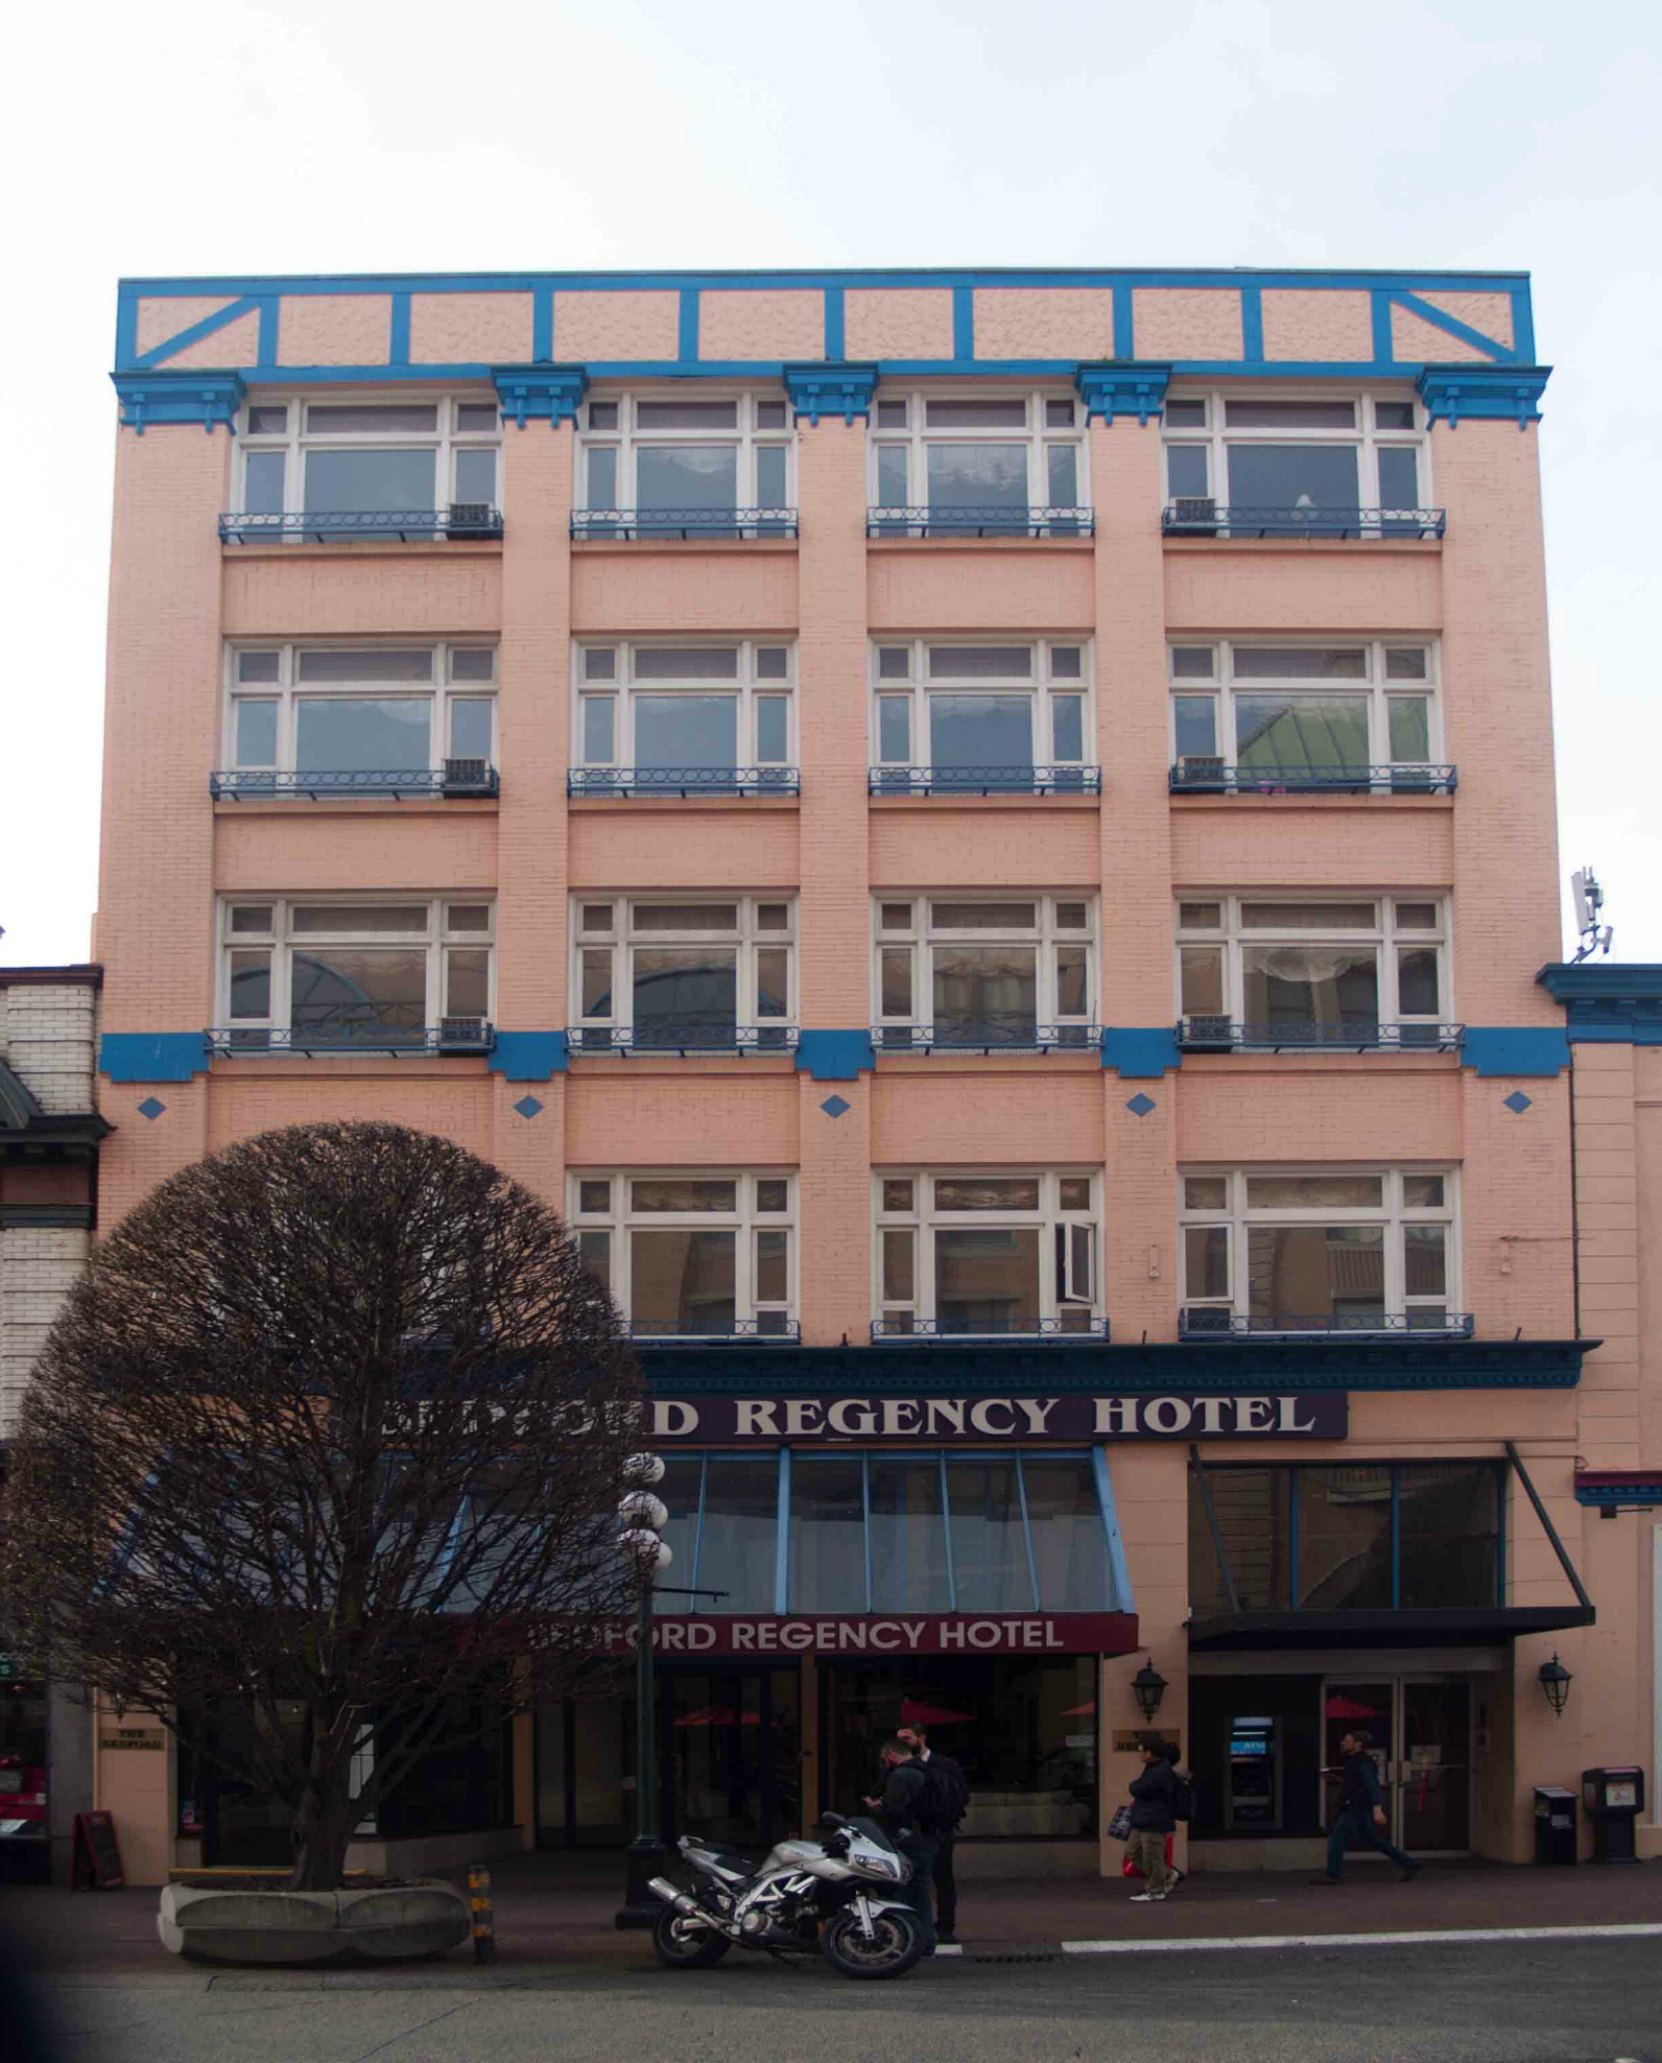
pixel 1421 1745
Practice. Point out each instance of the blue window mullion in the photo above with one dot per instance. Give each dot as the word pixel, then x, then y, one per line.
pixel 782 1538
pixel 698 1527
pixel 1119 1576
pixel 1292 1540
pixel 1501 1489
pixel 946 1529
pixel 1396 1538
pixel 865 1522
pixel 1027 1532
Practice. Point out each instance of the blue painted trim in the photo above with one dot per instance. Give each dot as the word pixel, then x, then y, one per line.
pixel 1498 1049
pixel 181 340
pixel 865 1521
pixel 270 318
pixel 1568 979
pixel 1110 389
pixel 834 1056
pixel 836 322
pixel 1293 1594
pixel 1483 393
pixel 782 1537
pixel 946 1538
pixel 544 393
pixel 1027 1531
pixel 1379 308
pixel 529 1056
pixel 830 390
pixel 963 321
pixel 686 330
pixel 206 398
pixel 1125 320
pixel 1119 1573
pixel 152 1056
pixel 1141 1053
pixel 1523 326
pixel 1607 1005
pixel 1642 1489
pixel 1396 1538
pixel 1252 325
pixel 542 324
pixel 398 334
pixel 1439 318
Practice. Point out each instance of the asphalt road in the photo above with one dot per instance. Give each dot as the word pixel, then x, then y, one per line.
pixel 1587 2001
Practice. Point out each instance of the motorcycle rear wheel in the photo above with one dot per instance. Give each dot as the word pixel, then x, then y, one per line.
pixel 681 1944
pixel 894 1946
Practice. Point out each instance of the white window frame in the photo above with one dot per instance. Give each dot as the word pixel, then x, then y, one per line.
pixel 1367 438
pixel 754 430
pixel 623 939
pixel 1387 936
pixel 624 687
pixel 1041 682
pixel 615 1223
pixel 914 1029
pixel 915 436
pixel 445 440
pixel 1376 686
pixel 1070 1240
pixel 1393 1213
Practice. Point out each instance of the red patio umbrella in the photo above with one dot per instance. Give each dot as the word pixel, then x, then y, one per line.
pixel 1087 1711
pixel 913 1712
pixel 1342 1707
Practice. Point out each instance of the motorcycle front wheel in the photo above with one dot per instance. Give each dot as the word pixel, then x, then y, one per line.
pixel 682 1944
pixel 891 1948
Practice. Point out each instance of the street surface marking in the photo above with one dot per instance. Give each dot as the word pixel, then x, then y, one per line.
pixel 1406 1940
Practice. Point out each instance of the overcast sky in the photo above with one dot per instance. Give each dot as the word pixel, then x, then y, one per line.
pixel 248 136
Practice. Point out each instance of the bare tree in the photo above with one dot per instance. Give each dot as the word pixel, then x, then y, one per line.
pixel 335 1425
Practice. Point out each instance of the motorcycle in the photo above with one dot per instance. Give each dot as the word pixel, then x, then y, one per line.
pixel 807 1898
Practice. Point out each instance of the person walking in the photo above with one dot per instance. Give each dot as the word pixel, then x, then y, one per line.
pixel 949 1797
pixel 1361 1815
pixel 901 1809
pixel 1153 1795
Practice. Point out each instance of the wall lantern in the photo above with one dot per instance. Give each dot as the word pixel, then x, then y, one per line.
pixel 1148 1687
pixel 1555 1683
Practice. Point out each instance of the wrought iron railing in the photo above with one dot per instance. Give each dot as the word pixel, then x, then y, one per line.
pixel 690 1036
pixel 683 781
pixel 772 1329
pixel 459 778
pixel 1206 776
pixel 996 1032
pixel 1201 518
pixel 463 519
pixel 353 1032
pixel 990 521
pixel 1205 1322
pixel 1207 1034
pixel 903 1326
pixel 631 524
pixel 984 780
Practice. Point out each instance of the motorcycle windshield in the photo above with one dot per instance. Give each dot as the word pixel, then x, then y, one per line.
pixel 869 1830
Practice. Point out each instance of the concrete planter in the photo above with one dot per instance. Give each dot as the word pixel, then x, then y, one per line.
pixel 390 1924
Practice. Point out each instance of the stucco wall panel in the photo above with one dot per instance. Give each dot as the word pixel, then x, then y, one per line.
pixel 784 323
pixel 335 329
pixel 644 590
pixel 238 343
pixel 451 1107
pixel 948 845
pixel 1300 323
pixel 1187 322
pixel 1236 1112
pixel 674 848
pixel 641 323
pixel 1043 1114
pixel 346 594
pixel 1278 844
pixel 449 329
pixel 322 849
pixel 739 1117
pixel 1412 337
pixel 1490 313
pixel 1044 322
pixel 163 315
pixel 897 322
pixel 935 588
pixel 1305 589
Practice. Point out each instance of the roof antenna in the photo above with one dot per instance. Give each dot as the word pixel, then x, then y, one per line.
pixel 1589 900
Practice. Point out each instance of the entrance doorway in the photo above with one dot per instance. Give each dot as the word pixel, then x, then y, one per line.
pixel 1421 1730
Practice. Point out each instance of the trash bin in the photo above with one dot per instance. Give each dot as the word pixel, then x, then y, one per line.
pixel 1554 1823
pixel 1614 1799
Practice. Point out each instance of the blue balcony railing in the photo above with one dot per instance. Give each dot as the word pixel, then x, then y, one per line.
pixel 996 1032
pixel 1198 517
pixel 989 521
pixel 352 1032
pixel 456 778
pixel 773 1328
pixel 1205 1034
pixel 461 520
pixel 1207 1322
pixel 924 1331
pixel 984 780
pixel 685 1038
pixel 683 782
pixel 630 525
pixel 1208 776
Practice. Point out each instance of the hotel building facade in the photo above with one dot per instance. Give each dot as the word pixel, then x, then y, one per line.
pixel 988 839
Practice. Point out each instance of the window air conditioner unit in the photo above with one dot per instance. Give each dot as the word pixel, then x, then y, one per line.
pixel 466 777
pixel 1207 1034
pixel 1201 769
pixel 1196 512
pixel 472 519
pixel 463 1035
pixel 1204 1318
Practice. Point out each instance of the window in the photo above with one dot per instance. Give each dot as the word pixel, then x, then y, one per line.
pixel 689 463
pixel 1273 971
pixel 361 719
pixel 979 464
pixel 975 719
pixel 661 974
pixel 1284 464
pixel 987 1253
pixel 1319 1250
pixel 684 719
pixel 1016 972
pixel 367 461
pixel 321 974
pixel 1306 716
pixel 692 1256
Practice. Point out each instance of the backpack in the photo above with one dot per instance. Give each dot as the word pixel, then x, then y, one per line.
pixel 1182 1798
pixel 940 1800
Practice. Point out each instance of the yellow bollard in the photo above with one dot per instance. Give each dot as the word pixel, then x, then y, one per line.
pixel 484 1917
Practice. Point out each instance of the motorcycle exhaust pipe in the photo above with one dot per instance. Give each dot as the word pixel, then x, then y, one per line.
pixel 687 1906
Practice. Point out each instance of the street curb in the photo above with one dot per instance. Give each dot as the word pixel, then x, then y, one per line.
pixel 1419 1937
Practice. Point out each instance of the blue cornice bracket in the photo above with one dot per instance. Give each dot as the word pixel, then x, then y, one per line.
pixel 548 393
pixel 152 1056
pixel 1501 1049
pixel 830 390
pixel 164 396
pixel 1123 387
pixel 530 1056
pixel 1605 1004
pixel 1141 1053
pixel 1483 393
pixel 834 1056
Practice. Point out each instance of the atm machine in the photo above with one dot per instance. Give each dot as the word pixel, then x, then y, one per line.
pixel 1252 1775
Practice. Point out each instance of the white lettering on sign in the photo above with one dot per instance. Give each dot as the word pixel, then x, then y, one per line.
pixel 1211 1411
pixel 1289 1419
pixel 982 1419
pixel 1036 1411
pixel 755 1415
pixel 1166 1414
pixel 943 1415
pixel 1254 1414
pixel 1116 1415
pixel 849 1416
pixel 673 1420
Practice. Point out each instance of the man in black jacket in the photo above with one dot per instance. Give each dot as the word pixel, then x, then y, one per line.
pixel 1152 1819
pixel 900 1810
pixel 950 1781
pixel 1361 1812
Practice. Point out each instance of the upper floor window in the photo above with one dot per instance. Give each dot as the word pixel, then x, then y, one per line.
pixel 978 462
pixel 975 718
pixel 1281 463
pixel 1015 972
pixel 1319 1250
pixel 1306 715
pixel 987 1253
pixel 691 463
pixel 674 974
pixel 692 1256
pixel 367 463
pixel 1278 971
pixel 314 974
pixel 690 719
pixel 358 719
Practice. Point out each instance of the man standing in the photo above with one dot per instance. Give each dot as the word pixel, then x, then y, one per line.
pixel 1153 1794
pixel 901 1810
pixel 1361 1814
pixel 950 1794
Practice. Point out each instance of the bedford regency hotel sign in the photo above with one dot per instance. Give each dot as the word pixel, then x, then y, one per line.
pixel 1068 1420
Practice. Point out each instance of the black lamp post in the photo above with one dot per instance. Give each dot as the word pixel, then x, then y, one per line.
pixel 642 1514
pixel 1555 1681
pixel 1148 1687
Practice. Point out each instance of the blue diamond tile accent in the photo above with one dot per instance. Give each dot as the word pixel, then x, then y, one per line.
pixel 151 1107
pixel 528 1106
pixel 1140 1105
pixel 1517 1101
pixel 834 1106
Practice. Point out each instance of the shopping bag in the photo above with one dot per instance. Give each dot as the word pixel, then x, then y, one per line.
pixel 1129 1869
pixel 1120 1825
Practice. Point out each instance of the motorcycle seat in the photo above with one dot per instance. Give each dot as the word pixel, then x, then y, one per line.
pixel 718 1851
